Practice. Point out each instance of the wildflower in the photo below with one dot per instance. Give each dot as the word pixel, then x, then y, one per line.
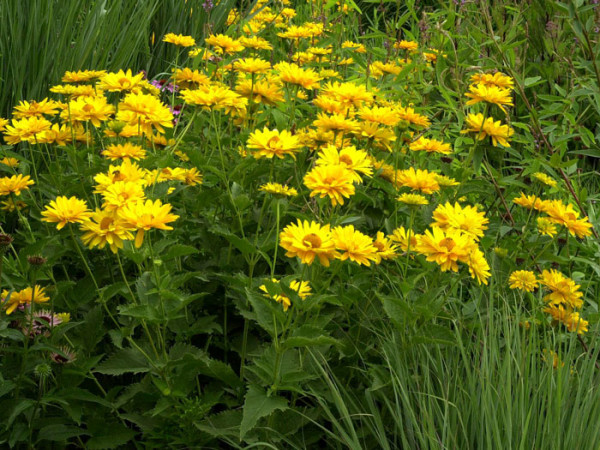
pixel 410 116
pixel 224 44
pixel 10 162
pixel 478 266
pixel 406 239
pixel 145 111
pixel 379 69
pixel 106 227
pixel 308 240
pixel 465 220
pixel 566 216
pixel 65 210
pixel 11 205
pixel 252 65
pixel 406 45
pixel 349 95
pixel 334 181
pixel 293 74
pixel 147 215
pixel 524 280
pixel 127 171
pixel 122 193
pixel 256 43
pixel 215 97
pixel 546 226
pixel 542 177
pixel 335 122
pixel 430 146
pixel 356 161
pixel 66 355
pixel 15 184
pixel 11 300
pixel 444 247
pixel 278 189
pixel 490 94
pixel 568 318
pixel 192 177
pixel 413 199
pixel 124 151
pixel 266 92
pixel 530 202
pixel 187 77
pixel 563 289
pixel 179 40
pixel 269 143
pixel 82 76
pixel 385 248
pixel 121 81
pixel 498 79
pixel 35 109
pixel 499 133
pixel 418 180
pixel 92 109
pixel 354 245
pixel 302 288
pixel 29 129
pixel 381 135
pixel 445 181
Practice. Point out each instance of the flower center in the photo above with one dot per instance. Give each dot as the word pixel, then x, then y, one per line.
pixel 312 240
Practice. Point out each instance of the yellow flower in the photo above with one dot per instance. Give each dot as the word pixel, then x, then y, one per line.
pixel 430 146
pixel 336 122
pixel 406 239
pixel 379 69
pixel 546 226
pixel 385 248
pixel 10 162
pixel 29 129
pixel 566 216
pixel 568 318
pixel 334 181
pixel 145 112
pixel 82 76
pixel 418 180
pixel 35 109
pixel 215 97
pixel 192 177
pixel 256 43
pixel 278 189
pixel 10 205
pixel 499 133
pixel 490 94
pixel 11 300
pixel 121 81
pixel 269 143
pixel 478 266
pixel 524 280
pixel 407 45
pixel 348 94
pixel 530 202
pixel 354 245
pixel 383 115
pixel 563 289
pixel 224 44
pixel 121 194
pixel 356 161
pixel 88 109
pixel 14 184
pixel 302 288
pixel 179 40
pixel 127 171
pixel 293 74
pixel 498 79
pixel 464 220
pixel 187 77
pixel 124 151
pixel 413 199
pixel 446 248
pixel 542 177
pixel 147 215
pixel 381 135
pixel 409 115
pixel 266 92
pixel 445 181
pixel 307 241
pixel 65 210
pixel 252 65
pixel 106 227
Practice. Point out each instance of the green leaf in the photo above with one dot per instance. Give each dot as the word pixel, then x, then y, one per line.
pixel 127 360
pixel 308 336
pixel 59 432
pixel 257 405
pixel 178 250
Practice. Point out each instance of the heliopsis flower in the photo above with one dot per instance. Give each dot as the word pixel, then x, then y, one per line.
pixel 179 40
pixel 3 123
pixel 224 44
pixel 106 227
pixel 278 189
pixel 336 122
pixel 215 97
pixel 14 184
pixel 354 245
pixel 478 266
pixel 256 43
pixel 490 94
pixel 121 194
pixel 11 205
pixel 294 74
pixel 418 180
pixel 445 247
pixel 499 133
pixel 568 318
pixel 266 92
pixel 10 162
pixel 413 199
pixel 307 241
pixel 127 171
pixel 336 182
pixel 524 280
pixel 192 177
pixel 566 216
pixel 88 109
pixel 379 68
pixel 65 210
pixel 464 220
pixel 121 81
pixel 542 177
pixel 251 65
pixel 406 239
pixel 546 226
pixel 11 300
pixel 348 94
pixel 124 151
pixel 35 109
pixel 269 143
pixel 563 289
pixel 29 129
pixel 430 146
pixel 407 45
pixel 82 76
pixel 356 161
pixel 187 77
pixel 410 116
pixel 498 79
pixel 385 248
pixel 302 288
pixel 382 136
pixel 445 181
pixel 147 215
pixel 530 202
pixel 145 111
pixel 383 115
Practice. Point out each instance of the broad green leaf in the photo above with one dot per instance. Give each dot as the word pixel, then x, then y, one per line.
pixel 257 405
pixel 127 360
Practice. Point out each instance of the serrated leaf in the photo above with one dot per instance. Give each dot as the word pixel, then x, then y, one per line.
pixel 59 432
pixel 177 250
pixel 127 360
pixel 258 405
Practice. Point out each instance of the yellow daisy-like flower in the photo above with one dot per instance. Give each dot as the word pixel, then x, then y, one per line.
pixel 29 129
pixel 446 248
pixel 266 92
pixel 524 280
pixel 406 239
pixel 333 181
pixel 187 77
pixel 11 205
pixel 121 81
pixel 381 136
pixel 88 109
pixel 147 215
pixel 498 79
pixel 445 181
pixel 354 245
pixel 215 97
pixel 478 266
pixel 65 210
pixel 349 95
pixel 35 109
pixel 568 318
pixel 106 227
pixel 383 115
pixel 542 177
pixel 12 300
pixel 192 177
pixel 293 74
pixel 385 248
pixel 464 220
pixel 124 151
pixel 278 189
pixel 252 65
pixel 566 216
pixel 410 116
pixel 145 112
pixel 430 146
pixel 418 180
pixel 307 241
pixel 82 76
pixel 530 202
pixel 127 171
pixel 490 94
pixel 546 226
pixel 256 43
pixel 121 194
pixel 379 68
pixel 413 199
pixel 269 143
pixel 179 40
pixel 15 184
pixel 10 162
pixel 499 133
pixel 302 288
pixel 336 122
pixel 563 289
pixel 224 44
pixel 356 161
pixel 407 45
